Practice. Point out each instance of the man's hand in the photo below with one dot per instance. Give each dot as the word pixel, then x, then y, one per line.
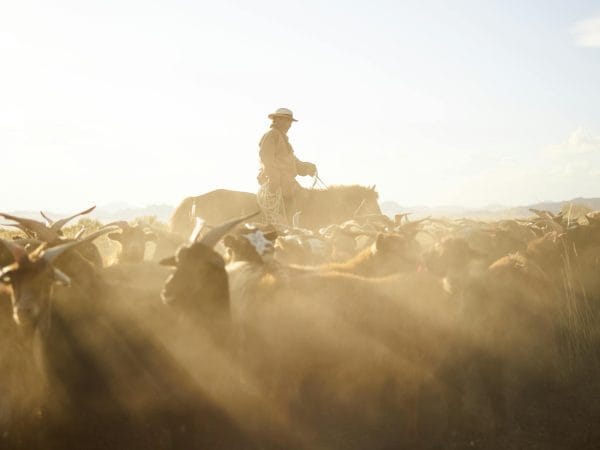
pixel 311 169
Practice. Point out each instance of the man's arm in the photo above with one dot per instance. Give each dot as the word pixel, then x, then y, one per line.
pixel 305 168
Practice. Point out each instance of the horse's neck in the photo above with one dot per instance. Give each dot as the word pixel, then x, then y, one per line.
pixel 330 206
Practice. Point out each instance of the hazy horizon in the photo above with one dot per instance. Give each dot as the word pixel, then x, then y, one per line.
pixel 471 104
pixel 116 206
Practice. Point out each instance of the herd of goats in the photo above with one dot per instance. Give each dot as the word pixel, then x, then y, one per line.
pixel 376 332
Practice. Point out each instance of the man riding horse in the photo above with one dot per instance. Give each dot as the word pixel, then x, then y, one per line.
pixel 279 168
pixel 280 195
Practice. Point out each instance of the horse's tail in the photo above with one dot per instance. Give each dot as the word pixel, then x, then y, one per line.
pixel 182 220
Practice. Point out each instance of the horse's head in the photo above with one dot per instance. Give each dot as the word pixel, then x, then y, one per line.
pixel 368 201
pixel 336 204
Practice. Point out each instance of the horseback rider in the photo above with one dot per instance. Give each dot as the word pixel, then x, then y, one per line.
pixel 278 163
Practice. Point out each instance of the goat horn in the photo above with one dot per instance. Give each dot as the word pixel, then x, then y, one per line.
pixel 40 229
pixel 20 227
pixel 56 226
pixel 10 268
pixel 213 236
pixel 59 275
pixel 296 219
pixel 18 253
pixel 79 234
pixel 197 229
pixel 54 252
pixel 35 254
pixel 49 221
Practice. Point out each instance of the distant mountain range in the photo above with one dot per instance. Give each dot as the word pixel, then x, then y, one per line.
pixel 124 211
pixel 491 212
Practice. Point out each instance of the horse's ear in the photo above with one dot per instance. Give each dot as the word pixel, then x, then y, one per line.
pixel 372 188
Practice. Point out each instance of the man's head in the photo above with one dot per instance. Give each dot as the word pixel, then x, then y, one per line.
pixel 282 119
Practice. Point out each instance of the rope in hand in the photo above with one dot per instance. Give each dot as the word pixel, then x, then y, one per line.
pixel 316 180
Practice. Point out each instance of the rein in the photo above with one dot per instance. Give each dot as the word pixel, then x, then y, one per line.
pixel 316 180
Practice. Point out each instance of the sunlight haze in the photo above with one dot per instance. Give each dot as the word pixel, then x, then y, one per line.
pixel 472 104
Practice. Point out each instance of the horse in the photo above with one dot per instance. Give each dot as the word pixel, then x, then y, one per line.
pixel 318 207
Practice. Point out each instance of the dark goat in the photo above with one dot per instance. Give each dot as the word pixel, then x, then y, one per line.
pixel 199 284
pixel 166 242
pixel 133 239
pixel 31 277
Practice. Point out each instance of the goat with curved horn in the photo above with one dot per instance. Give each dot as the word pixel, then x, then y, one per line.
pixel 52 253
pixel 28 233
pixel 56 226
pixel 46 232
pixel 200 223
pixel 213 236
pixel 33 226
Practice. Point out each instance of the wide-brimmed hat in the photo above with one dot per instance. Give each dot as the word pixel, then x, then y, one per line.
pixel 283 112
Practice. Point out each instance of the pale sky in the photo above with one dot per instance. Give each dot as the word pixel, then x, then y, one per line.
pixel 464 102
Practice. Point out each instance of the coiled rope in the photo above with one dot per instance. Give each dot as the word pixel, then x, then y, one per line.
pixel 271 204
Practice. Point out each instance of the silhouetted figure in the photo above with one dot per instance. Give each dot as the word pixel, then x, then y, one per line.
pixel 279 168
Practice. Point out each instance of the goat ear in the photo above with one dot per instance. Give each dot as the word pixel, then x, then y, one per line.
pixel 169 261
